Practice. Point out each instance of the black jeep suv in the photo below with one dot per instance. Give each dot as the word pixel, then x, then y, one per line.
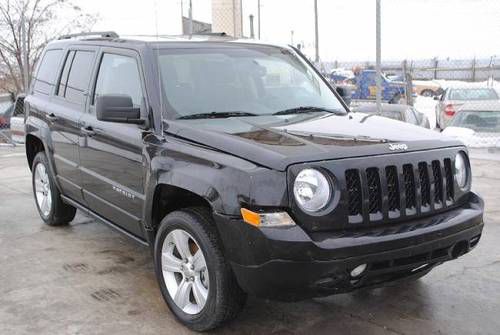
pixel 242 169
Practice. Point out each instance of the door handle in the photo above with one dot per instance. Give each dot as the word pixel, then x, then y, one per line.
pixel 51 117
pixel 88 131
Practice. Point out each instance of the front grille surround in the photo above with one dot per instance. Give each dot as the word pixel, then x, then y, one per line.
pixel 350 208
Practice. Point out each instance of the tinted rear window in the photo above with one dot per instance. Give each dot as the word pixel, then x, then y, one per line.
pixel 79 76
pixel 473 94
pixel 47 71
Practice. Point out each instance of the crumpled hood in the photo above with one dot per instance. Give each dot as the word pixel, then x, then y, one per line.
pixel 279 141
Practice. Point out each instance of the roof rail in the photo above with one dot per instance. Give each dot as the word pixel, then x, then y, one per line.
pixel 103 34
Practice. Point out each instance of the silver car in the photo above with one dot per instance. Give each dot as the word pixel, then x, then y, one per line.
pixel 397 112
pixel 453 98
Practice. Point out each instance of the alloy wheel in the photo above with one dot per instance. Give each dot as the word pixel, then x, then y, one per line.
pixel 43 193
pixel 185 271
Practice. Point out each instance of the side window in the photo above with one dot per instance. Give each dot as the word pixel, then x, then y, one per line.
pixel 418 116
pixel 47 71
pixel 61 90
pixel 119 75
pixel 19 106
pixel 79 76
pixel 410 116
pixel 443 96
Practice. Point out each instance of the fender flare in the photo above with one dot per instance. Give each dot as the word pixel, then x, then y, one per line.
pixel 41 131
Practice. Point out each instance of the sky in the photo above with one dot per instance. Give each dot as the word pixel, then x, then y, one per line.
pixel 411 29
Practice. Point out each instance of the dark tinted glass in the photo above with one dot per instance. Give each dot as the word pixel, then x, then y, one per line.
pixel 79 76
pixel 47 71
pixel 64 76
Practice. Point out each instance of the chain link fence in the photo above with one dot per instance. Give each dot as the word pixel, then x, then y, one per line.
pixel 11 121
pixel 460 97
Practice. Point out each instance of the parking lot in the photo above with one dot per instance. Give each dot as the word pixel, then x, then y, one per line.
pixel 89 279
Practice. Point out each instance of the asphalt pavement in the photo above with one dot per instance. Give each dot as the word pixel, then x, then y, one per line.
pixel 88 279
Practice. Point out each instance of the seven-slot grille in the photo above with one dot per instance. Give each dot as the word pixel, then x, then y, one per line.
pixel 393 191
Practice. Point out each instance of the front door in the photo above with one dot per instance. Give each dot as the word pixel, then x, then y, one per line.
pixel 111 153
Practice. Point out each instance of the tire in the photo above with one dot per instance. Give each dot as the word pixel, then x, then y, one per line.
pixel 395 99
pixel 54 212
pixel 224 298
pixel 427 93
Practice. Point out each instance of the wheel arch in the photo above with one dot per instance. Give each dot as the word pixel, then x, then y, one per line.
pixel 167 198
pixel 37 140
pixel 33 145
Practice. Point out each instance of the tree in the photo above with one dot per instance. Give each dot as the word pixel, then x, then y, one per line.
pixel 39 21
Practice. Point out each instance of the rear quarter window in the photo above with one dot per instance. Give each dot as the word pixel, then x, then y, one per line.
pixel 75 83
pixel 47 71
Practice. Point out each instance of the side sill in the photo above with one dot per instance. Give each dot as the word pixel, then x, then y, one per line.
pixel 103 220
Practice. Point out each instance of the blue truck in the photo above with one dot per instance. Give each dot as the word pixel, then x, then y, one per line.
pixel 366 87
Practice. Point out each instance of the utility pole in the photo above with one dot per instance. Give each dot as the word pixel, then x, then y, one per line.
pixel 378 56
pixel 316 32
pixel 258 18
pixel 190 19
pixel 252 33
pixel 291 37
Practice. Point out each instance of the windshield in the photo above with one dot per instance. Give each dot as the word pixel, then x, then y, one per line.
pixel 473 94
pixel 256 80
pixel 483 122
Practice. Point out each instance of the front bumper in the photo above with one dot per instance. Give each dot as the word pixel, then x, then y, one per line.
pixel 289 264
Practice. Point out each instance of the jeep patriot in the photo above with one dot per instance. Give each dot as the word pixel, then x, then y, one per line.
pixel 242 169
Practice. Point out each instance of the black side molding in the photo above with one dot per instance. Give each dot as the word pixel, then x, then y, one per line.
pixel 103 220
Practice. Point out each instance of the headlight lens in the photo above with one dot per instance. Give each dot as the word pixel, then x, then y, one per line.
pixel 461 173
pixel 311 190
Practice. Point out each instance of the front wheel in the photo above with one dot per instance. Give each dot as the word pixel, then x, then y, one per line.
pixel 51 208
pixel 195 279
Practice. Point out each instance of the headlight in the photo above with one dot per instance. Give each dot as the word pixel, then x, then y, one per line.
pixel 461 172
pixel 311 190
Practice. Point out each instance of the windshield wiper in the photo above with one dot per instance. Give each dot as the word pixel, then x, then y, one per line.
pixel 215 115
pixel 308 109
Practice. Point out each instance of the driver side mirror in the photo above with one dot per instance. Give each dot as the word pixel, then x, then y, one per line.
pixel 117 108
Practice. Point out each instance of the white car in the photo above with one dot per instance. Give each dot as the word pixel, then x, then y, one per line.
pixel 477 125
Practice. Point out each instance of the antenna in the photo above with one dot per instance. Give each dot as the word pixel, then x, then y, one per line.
pixel 157 62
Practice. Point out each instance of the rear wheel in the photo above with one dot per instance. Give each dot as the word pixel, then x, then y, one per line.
pixel 396 99
pixel 195 279
pixel 51 208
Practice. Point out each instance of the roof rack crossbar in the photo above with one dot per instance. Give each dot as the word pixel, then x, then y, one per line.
pixel 104 34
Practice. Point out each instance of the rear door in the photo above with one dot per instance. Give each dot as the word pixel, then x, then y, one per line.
pixel 111 153
pixel 64 112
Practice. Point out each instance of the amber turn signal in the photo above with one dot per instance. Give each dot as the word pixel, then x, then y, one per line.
pixel 276 219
